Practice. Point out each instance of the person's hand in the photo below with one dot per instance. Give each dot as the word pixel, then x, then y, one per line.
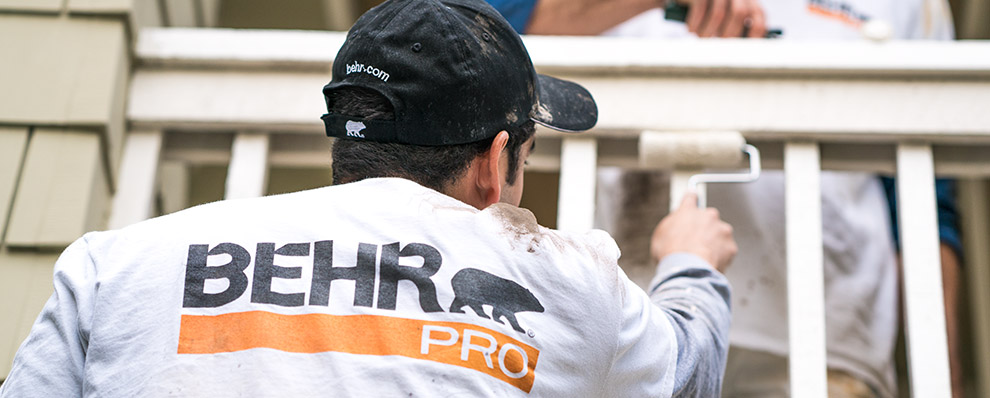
pixel 725 18
pixel 696 231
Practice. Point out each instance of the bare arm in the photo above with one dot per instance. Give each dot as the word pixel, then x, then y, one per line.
pixel 950 290
pixel 583 17
pixel 706 18
pixel 726 18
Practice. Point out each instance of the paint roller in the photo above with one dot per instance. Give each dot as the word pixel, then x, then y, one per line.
pixel 687 153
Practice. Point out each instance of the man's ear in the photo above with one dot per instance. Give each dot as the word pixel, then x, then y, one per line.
pixel 489 179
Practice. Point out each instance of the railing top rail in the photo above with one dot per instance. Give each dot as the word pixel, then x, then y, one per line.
pixel 314 51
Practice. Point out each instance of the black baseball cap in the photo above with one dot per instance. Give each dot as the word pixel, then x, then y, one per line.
pixel 455 72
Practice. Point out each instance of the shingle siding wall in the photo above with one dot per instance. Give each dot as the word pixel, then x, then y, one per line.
pixel 64 82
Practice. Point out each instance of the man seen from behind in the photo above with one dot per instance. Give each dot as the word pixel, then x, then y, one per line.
pixel 416 274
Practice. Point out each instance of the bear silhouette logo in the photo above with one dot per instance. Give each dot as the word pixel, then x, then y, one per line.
pixel 354 128
pixel 474 288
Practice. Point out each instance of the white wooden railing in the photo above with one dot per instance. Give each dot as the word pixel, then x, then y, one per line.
pixel 916 109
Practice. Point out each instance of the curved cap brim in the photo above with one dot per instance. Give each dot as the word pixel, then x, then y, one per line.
pixel 564 105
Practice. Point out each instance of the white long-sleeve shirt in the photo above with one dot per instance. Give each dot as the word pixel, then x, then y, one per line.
pixel 375 288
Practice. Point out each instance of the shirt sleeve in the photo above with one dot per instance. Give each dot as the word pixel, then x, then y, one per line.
pixel 517 12
pixel 50 362
pixel 695 299
pixel 674 341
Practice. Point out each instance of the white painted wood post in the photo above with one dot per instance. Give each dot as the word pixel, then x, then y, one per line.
pixel 138 181
pixel 247 175
pixel 805 270
pixel 924 312
pixel 578 173
pixel 173 179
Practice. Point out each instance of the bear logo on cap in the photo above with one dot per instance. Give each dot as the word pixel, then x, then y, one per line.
pixel 354 129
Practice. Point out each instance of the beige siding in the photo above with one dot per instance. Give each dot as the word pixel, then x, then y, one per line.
pixel 80 62
pixel 104 6
pixel 181 13
pixel 26 283
pixel 63 104
pixel 63 191
pixel 147 14
pixel 12 145
pixel 31 5
pixel 85 64
pixel 116 124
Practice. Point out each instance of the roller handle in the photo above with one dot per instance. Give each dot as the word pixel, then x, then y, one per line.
pixel 754 173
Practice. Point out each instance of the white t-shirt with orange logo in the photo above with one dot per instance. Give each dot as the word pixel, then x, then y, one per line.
pixel 375 288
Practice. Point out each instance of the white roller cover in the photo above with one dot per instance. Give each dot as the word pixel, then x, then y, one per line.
pixel 690 149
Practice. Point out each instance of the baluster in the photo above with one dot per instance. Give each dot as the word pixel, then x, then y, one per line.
pixel 805 270
pixel 247 175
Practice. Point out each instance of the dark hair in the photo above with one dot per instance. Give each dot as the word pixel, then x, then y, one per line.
pixel 435 167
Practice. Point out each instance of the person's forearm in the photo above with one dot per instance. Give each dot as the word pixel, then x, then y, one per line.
pixel 584 17
pixel 950 289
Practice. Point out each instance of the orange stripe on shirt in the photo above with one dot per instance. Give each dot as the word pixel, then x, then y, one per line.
pixel 814 9
pixel 452 343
